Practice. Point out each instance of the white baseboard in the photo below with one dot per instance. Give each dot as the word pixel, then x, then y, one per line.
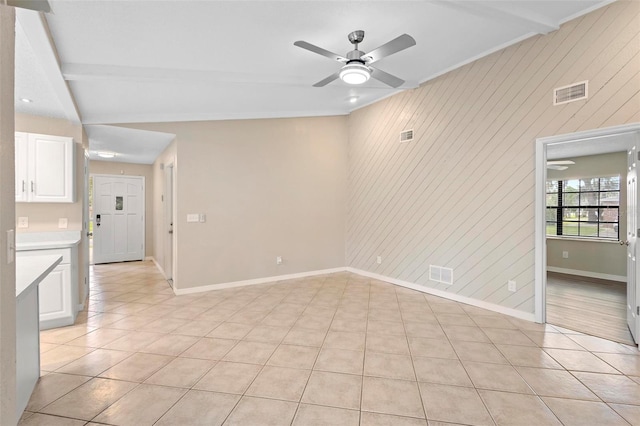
pixel 528 316
pixel 446 295
pixel 191 290
pixel 589 274
pixel 155 262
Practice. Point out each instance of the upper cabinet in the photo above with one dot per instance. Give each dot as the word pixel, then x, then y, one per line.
pixel 44 169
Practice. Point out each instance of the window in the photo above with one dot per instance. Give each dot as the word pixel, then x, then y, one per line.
pixel 587 207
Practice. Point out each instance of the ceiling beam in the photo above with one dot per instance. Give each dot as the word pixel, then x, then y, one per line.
pixel 113 73
pixel 39 5
pixel 98 72
pixel 37 31
pixel 533 22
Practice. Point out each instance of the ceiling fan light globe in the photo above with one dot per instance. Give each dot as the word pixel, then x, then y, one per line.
pixel 355 73
pixel 106 154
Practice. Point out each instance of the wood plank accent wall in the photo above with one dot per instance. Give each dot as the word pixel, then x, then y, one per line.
pixel 461 194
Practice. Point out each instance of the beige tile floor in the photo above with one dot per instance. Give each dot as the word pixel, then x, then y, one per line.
pixel 338 349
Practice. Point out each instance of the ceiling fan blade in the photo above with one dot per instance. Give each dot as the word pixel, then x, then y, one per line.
pixel 394 46
pixel 554 167
pixel 320 51
pixel 39 5
pixel 560 162
pixel 328 80
pixel 386 78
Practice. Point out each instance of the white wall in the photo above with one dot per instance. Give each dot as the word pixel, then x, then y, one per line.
pixel 589 257
pixel 7 206
pixel 274 187
pixel 461 195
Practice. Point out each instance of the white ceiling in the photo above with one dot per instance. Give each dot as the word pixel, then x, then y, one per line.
pixel 143 61
pixel 31 82
pixel 590 146
pixel 128 145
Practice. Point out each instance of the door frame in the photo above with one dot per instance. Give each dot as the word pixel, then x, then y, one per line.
pixel 85 229
pixel 169 214
pixel 540 207
pixel 144 207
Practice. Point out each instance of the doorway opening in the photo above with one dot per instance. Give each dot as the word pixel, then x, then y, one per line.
pixel 586 228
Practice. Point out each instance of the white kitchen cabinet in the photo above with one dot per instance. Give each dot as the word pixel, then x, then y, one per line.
pixel 44 168
pixel 58 292
pixel 22 141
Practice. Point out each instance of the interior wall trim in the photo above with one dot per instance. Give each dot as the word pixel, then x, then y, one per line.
pixel 232 284
pixel 528 316
pixel 155 262
pixel 620 278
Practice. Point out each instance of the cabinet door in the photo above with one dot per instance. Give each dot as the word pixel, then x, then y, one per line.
pixel 22 176
pixel 51 169
pixel 55 298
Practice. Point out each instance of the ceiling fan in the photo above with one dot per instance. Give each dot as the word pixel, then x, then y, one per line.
pixel 357 67
pixel 559 164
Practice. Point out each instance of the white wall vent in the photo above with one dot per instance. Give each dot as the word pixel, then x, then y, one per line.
pixel 573 92
pixel 441 274
pixel 406 136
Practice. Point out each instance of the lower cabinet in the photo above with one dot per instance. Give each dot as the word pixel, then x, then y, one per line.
pixel 56 303
pixel 58 292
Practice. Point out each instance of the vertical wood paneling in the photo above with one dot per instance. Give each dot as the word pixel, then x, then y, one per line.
pixel 461 195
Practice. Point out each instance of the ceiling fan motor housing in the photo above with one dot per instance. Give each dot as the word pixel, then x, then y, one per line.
pixel 356 37
pixel 355 55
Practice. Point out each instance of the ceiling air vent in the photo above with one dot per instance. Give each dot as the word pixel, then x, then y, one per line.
pixel 406 136
pixel 573 92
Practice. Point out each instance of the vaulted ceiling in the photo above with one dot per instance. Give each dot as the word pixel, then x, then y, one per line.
pixel 143 61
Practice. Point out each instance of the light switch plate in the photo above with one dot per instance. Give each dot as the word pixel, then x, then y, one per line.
pixel 11 246
pixel 193 217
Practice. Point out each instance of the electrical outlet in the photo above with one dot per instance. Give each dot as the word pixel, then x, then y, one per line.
pixel 565 254
pixel 23 222
pixel 278 260
pixel 379 260
pixel 511 285
pixel 63 222
pixel 202 217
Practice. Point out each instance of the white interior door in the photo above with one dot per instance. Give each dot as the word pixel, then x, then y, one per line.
pixel 168 214
pixel 118 224
pixel 632 229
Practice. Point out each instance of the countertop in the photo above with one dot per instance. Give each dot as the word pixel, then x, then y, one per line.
pixel 33 269
pixel 47 240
